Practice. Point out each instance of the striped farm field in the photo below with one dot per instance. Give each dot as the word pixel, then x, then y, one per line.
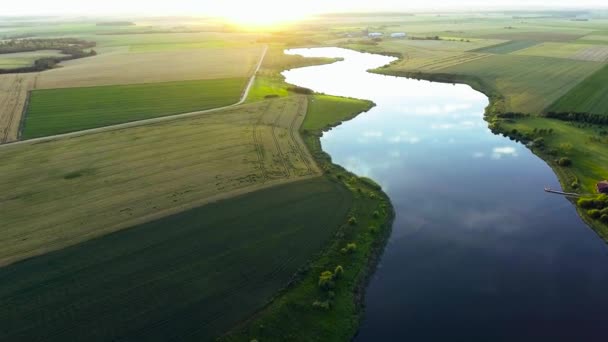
pixel 589 96
pixel 529 84
pixel 584 52
pixel 69 190
pixel 507 47
pixel 55 111
pixel 185 277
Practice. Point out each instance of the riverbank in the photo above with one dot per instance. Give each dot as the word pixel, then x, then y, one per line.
pixel 547 138
pixel 325 301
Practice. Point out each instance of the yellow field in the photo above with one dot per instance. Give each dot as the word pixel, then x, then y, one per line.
pixel 130 68
pixel 13 94
pixel 64 191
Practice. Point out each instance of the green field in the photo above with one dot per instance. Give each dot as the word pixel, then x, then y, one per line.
pixel 55 111
pixel 589 96
pixel 507 47
pixel 186 277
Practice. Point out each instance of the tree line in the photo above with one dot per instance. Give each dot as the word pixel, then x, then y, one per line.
pixel 72 48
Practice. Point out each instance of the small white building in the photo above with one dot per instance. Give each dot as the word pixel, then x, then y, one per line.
pixel 374 34
pixel 398 35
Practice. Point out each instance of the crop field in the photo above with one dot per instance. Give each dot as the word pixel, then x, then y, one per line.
pixel 131 68
pixel 529 84
pixel 574 51
pixel 589 96
pixel 55 111
pixel 186 277
pixel 87 186
pixel 592 53
pixel 507 47
pixel 445 44
pixel 596 38
pixel 13 94
pixel 176 41
pixel 441 63
pixel 23 59
pixel 549 35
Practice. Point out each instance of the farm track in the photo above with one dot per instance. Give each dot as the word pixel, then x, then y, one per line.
pixel 292 129
pixel 281 155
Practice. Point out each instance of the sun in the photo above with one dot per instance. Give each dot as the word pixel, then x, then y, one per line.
pixel 264 13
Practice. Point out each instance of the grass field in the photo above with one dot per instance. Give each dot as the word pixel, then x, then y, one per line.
pixel 187 277
pixel 24 59
pixel 574 51
pixel 13 94
pixel 69 190
pixel 589 96
pixel 128 68
pixel 328 111
pixel 55 111
pixel 507 47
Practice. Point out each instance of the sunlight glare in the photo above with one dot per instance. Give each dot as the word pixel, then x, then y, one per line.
pixel 263 13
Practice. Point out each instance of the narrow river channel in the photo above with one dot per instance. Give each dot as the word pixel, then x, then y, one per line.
pixel 478 252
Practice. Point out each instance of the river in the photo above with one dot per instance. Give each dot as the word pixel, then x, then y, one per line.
pixel 478 251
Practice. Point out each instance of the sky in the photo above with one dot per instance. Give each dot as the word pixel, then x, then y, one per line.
pixel 268 7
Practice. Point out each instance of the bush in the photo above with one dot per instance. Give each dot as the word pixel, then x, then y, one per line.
pixel 586 203
pixel 594 213
pixel 338 272
pixel 350 248
pixel 575 185
pixel 564 161
pixel 376 214
pixel 352 221
pixel 323 305
pixel 326 280
pixel 604 218
pixel 373 230
pixel 539 142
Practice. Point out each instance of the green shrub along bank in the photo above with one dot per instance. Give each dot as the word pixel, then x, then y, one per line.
pixel 325 303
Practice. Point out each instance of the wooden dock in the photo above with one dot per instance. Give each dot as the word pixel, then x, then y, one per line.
pixel 568 194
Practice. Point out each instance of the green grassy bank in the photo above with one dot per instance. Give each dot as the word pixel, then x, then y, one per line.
pixel 326 302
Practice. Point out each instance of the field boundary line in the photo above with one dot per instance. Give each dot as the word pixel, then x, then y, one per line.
pixel 125 125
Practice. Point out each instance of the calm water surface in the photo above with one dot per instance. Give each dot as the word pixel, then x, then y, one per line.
pixel 478 251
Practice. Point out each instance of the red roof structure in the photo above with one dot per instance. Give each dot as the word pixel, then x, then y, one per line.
pixel 602 187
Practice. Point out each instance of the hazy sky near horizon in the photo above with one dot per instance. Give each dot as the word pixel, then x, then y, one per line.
pixel 222 7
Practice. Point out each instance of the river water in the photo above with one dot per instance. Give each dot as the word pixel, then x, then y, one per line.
pixel 478 252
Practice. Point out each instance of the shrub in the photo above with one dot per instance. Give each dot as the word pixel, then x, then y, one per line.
pixel 373 230
pixel 575 185
pixel 326 280
pixel 338 272
pixel 586 203
pixel 350 248
pixel 352 221
pixel 376 214
pixel 324 305
pixel 604 218
pixel 538 142
pixel 564 161
pixel 594 213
